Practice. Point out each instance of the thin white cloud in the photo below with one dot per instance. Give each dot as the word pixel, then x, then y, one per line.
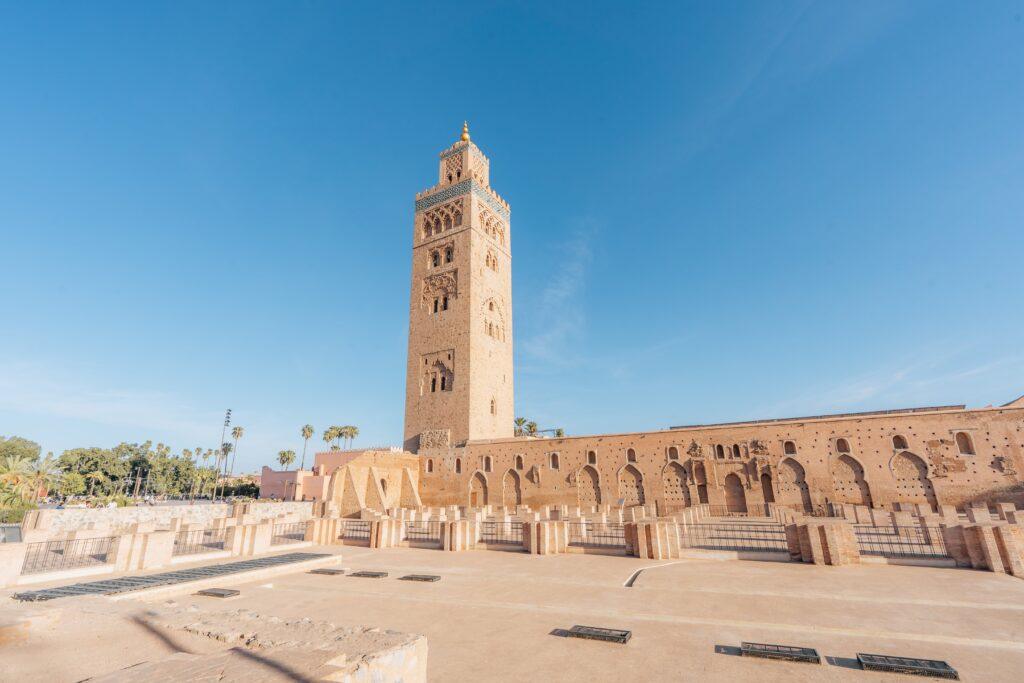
pixel 560 315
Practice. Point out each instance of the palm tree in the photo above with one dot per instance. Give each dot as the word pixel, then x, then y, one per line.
pixel 307 433
pixel 286 458
pixel 225 451
pixel 93 477
pixel 351 432
pixel 559 433
pixel 42 476
pixel 329 436
pixel 237 433
pixel 520 423
pixel 531 429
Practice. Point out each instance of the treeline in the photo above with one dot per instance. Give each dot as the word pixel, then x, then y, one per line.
pixel 126 470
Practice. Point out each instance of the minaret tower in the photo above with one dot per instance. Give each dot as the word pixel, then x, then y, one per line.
pixel 459 378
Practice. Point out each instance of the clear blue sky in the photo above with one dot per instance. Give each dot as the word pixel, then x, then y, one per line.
pixel 720 211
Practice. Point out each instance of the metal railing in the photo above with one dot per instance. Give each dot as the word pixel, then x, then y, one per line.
pixel 51 556
pixel 901 541
pixel 510 533
pixel 358 529
pixel 428 531
pixel 198 541
pixel 597 535
pixel 732 536
pixel 293 532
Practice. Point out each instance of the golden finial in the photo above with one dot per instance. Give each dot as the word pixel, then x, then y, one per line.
pixel 465 131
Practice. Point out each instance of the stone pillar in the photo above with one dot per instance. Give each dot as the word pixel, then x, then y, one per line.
pixel 261 535
pixel 234 540
pixel 956 544
pixel 982 548
pixel 839 544
pixel 1010 543
pixel 1002 509
pixel 12 557
pixel 978 515
pixel 159 546
pixel 793 542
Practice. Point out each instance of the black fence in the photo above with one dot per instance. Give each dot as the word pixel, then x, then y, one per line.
pixel 198 541
pixel 428 531
pixel 732 536
pixel 901 541
pixel 51 556
pixel 292 532
pixel 597 535
pixel 357 529
pixel 510 533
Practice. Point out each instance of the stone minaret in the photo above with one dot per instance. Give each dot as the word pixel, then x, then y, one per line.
pixel 458 385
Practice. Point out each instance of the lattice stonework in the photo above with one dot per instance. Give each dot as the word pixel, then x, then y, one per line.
pixel 492 226
pixel 443 284
pixel 442 218
pixel 453 168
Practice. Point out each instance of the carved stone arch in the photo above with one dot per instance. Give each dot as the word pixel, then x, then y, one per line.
pixel 735 498
pixel 913 479
pixel 700 479
pixel 849 482
pixel 675 487
pixel 631 486
pixel 792 485
pixel 477 489
pixel 511 489
pixel 588 486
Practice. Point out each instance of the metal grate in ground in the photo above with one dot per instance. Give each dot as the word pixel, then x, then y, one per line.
pixel 134 583
pixel 787 652
pixel 908 665
pixel 611 635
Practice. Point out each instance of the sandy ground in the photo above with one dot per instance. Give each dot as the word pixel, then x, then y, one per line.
pixel 492 615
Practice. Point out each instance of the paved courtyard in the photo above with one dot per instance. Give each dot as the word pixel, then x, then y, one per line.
pixel 492 615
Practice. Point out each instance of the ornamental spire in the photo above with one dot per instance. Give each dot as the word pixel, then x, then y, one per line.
pixel 465 131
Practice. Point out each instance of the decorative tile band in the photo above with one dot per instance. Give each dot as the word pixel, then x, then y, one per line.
pixel 460 189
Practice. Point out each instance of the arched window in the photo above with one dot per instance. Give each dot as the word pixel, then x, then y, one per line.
pixel 433 384
pixel 842 446
pixel 443 382
pixel 444 303
pixel 494 407
pixel 487 463
pixel 789 448
pixel 430 465
pixel 673 453
pixel 554 461
pixel 963 443
pixel 631 455
pixel 719 451
pixel 735 450
pixel 899 443
pixel 519 462
pixel 458 465
pixel 435 259
pixel 448 255
pixel 591 458
pixel 490 305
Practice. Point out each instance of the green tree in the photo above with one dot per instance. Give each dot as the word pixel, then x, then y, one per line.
pixel 520 426
pixel 531 429
pixel 286 458
pixel 559 433
pixel 307 433
pixel 71 484
pixel 19 447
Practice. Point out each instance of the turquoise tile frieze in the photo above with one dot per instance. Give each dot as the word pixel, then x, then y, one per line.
pixel 459 189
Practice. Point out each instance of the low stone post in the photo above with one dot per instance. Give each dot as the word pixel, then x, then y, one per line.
pixel 1010 543
pixel 159 547
pixel 793 542
pixel 12 558
pixel 982 548
pixel 978 515
pixel 261 536
pixel 1003 509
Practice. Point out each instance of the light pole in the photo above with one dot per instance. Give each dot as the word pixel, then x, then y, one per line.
pixel 223 433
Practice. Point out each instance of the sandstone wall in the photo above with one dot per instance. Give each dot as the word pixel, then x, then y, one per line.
pixel 680 466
